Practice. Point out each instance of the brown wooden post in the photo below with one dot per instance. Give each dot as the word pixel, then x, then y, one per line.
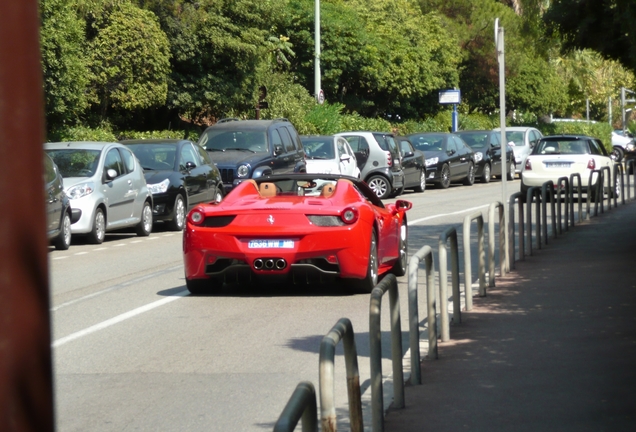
pixel 26 385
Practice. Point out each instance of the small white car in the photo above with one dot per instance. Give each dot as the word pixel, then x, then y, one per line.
pixel 622 142
pixel 328 154
pixel 558 156
pixel 106 186
pixel 521 139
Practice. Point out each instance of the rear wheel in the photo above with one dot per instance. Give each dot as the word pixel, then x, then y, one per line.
pixel 486 175
pixel 399 268
pixel 218 195
pixel 371 279
pixel 144 227
pixel 445 177
pixel 178 214
pixel 98 232
pixel 617 154
pixel 510 175
pixel 380 186
pixel 63 240
pixel 470 178
pixel 422 185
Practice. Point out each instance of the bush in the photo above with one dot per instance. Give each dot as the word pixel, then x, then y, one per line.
pixel 83 133
pixel 164 134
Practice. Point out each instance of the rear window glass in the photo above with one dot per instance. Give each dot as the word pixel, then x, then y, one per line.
pixel 561 147
pixel 222 140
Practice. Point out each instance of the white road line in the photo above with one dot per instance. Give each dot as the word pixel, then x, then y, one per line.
pixel 100 249
pixel 80 253
pixel 118 319
pixel 413 222
pixel 62 257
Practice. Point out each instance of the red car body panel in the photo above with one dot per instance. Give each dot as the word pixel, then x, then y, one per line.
pixel 342 251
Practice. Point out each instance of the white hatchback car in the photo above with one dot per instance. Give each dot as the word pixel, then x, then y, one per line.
pixel 106 186
pixel 559 156
pixel 328 154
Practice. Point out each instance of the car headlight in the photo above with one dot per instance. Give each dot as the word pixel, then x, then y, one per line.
pixel 159 187
pixel 478 156
pixel 630 147
pixel 80 190
pixel 243 171
pixel 432 161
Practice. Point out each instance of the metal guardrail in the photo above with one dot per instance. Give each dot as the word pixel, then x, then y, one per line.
pixel 547 190
pixel 449 233
pixel 481 258
pixel 563 197
pixel 389 283
pixel 301 406
pixel 579 189
pixel 491 243
pixel 342 331
pixel 518 199
pixel 424 254
pixel 531 194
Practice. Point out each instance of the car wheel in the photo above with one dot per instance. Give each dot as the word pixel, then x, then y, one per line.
pixel 97 234
pixel 398 192
pixel 617 154
pixel 218 195
pixel 380 186
pixel 422 185
pixel 178 214
pixel 510 175
pixel 616 193
pixel 470 178
pixel 486 176
pixel 198 286
pixel 144 227
pixel 63 240
pixel 445 177
pixel 371 279
pixel 399 268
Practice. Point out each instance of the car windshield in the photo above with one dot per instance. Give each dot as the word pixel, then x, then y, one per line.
pixel 476 140
pixel 426 143
pixel 223 140
pixel 155 156
pixel 516 138
pixel 546 147
pixel 319 148
pixel 75 162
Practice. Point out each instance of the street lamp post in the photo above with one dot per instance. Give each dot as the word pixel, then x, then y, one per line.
pixel 499 44
pixel 317 85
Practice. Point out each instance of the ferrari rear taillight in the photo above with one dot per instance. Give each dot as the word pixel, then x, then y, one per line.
pixel 196 216
pixel 591 164
pixel 349 215
pixel 332 259
pixel 528 166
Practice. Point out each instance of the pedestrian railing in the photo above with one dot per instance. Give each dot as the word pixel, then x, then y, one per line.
pixel 481 258
pixel 301 406
pixel 449 233
pixel 491 243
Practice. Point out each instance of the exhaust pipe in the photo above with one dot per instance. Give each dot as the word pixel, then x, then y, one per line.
pixel 269 264
pixel 258 264
pixel 281 264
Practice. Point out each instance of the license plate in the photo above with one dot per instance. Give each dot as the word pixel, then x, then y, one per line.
pixel 270 244
pixel 558 164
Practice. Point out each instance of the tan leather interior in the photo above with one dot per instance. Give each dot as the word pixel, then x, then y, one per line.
pixel 267 189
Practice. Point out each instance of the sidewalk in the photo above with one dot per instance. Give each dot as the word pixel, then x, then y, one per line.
pixel 551 348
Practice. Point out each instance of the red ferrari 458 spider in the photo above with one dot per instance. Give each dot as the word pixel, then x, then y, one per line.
pixel 300 227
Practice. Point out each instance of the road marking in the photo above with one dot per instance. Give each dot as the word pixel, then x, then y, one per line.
pixel 118 319
pixel 62 257
pixel 413 222
pixel 81 253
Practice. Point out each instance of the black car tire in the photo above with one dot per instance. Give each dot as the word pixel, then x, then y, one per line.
pixel 63 240
pixel 144 227
pixel 470 178
pixel 371 279
pixel 617 154
pixel 486 174
pixel 218 193
pixel 398 192
pixel 380 186
pixel 400 266
pixel 422 185
pixel 98 232
pixel 445 177
pixel 178 214
pixel 510 175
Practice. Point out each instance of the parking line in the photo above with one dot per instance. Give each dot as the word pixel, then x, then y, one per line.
pixel 118 319
pixel 413 222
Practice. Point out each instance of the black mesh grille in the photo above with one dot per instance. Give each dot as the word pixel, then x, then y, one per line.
pixel 227 175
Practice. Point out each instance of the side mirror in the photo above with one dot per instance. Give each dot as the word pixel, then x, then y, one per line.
pixel 400 205
pixel 408 154
pixel 190 165
pixel 278 149
pixel 451 152
pixel 111 174
pixel 345 158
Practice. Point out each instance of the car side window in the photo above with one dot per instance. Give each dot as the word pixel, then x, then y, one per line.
pixel 495 139
pixel 49 169
pixel 129 160
pixel 284 134
pixel 451 145
pixel 348 148
pixel 113 161
pixel 188 155
pixel 276 140
pixel 595 148
pixel 405 147
pixel 205 157
pixel 534 137
pixel 294 137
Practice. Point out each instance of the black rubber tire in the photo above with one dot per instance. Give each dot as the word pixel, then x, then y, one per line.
pixel 422 186
pixel 398 192
pixel 401 265
pixel 63 240
pixel 510 174
pixel 98 232
pixel 144 227
pixel 470 178
pixel 486 175
pixel 371 279
pixel 380 186
pixel 218 193
pixel 445 174
pixel 178 214
pixel 617 154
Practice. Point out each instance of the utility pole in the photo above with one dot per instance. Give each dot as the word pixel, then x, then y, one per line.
pixel 499 44
pixel 317 84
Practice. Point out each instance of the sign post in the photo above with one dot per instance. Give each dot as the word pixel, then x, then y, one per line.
pixel 499 45
pixel 454 97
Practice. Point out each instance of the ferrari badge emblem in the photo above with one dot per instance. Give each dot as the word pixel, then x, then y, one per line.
pixel 270 219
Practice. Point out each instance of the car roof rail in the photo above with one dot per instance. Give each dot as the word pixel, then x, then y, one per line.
pixel 228 119
pixel 281 119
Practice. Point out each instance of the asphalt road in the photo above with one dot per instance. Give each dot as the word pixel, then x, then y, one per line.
pixel 133 351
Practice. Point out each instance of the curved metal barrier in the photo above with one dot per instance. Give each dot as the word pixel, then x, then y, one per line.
pixel 343 330
pixel 531 194
pixel 491 243
pixel 547 190
pixel 516 198
pixel 424 254
pixel 301 406
pixel 562 190
pixel 389 283
pixel 451 233
pixel 579 189
pixel 481 259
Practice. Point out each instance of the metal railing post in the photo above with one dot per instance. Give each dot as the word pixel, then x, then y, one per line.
pixel 563 191
pixel 389 283
pixel 301 406
pixel 343 330
pixel 579 188
pixel 609 188
pixel 544 206
pixel 481 257
pixel 424 254
pixel 532 192
pixel 451 233
pixel 491 242
pixel 522 253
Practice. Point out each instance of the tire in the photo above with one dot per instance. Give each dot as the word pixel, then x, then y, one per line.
pixel 617 154
pixel 178 214
pixel 400 266
pixel 510 175
pixel 486 174
pixel 144 227
pixel 470 178
pixel 218 194
pixel 422 186
pixel 63 240
pixel 98 232
pixel 380 186
pixel 198 286
pixel 445 177
pixel 371 279
pixel 398 192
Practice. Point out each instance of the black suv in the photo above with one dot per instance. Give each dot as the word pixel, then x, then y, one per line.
pixel 244 149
